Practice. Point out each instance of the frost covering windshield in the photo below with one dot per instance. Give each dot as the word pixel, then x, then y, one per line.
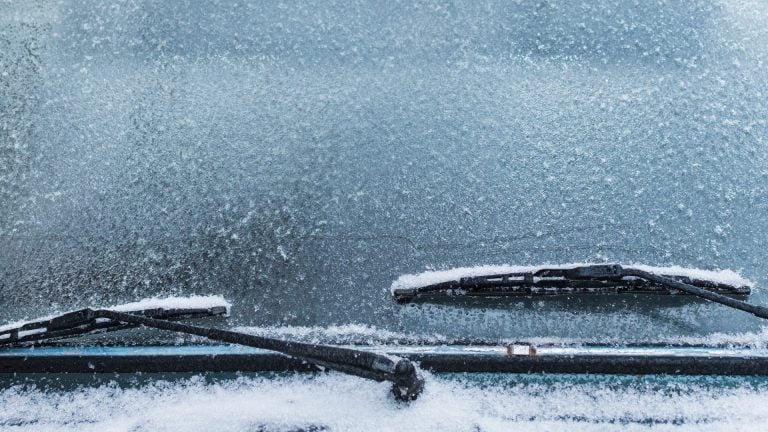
pixel 297 159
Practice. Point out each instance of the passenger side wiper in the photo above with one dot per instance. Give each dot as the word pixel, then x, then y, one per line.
pixel 406 382
pixel 588 279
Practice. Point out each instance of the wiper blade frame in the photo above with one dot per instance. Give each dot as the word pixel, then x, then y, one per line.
pixel 81 322
pixel 589 279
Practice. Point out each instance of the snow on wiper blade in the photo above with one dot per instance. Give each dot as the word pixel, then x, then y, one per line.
pixel 611 278
pixel 79 322
pixel 514 281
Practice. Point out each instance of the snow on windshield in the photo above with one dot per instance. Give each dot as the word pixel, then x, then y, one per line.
pixel 296 159
pixel 355 334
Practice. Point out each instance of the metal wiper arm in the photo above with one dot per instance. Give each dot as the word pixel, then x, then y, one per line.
pixel 407 383
pixel 602 272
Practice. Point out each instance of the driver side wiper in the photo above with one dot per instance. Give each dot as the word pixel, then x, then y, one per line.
pixel 587 279
pixel 406 381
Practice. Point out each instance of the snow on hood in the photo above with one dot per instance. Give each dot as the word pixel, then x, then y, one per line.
pixel 195 302
pixel 337 402
pixel 432 277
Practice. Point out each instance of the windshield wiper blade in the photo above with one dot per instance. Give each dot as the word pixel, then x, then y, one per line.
pixel 82 322
pixel 407 383
pixel 588 279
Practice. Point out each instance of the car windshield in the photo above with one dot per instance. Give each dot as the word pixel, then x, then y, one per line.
pixel 297 159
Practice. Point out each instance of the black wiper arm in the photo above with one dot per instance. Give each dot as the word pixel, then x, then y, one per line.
pixel 601 272
pixel 406 381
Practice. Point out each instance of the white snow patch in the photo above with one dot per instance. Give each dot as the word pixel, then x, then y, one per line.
pixel 432 277
pixel 191 302
pixel 358 334
pixel 755 339
pixel 344 334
